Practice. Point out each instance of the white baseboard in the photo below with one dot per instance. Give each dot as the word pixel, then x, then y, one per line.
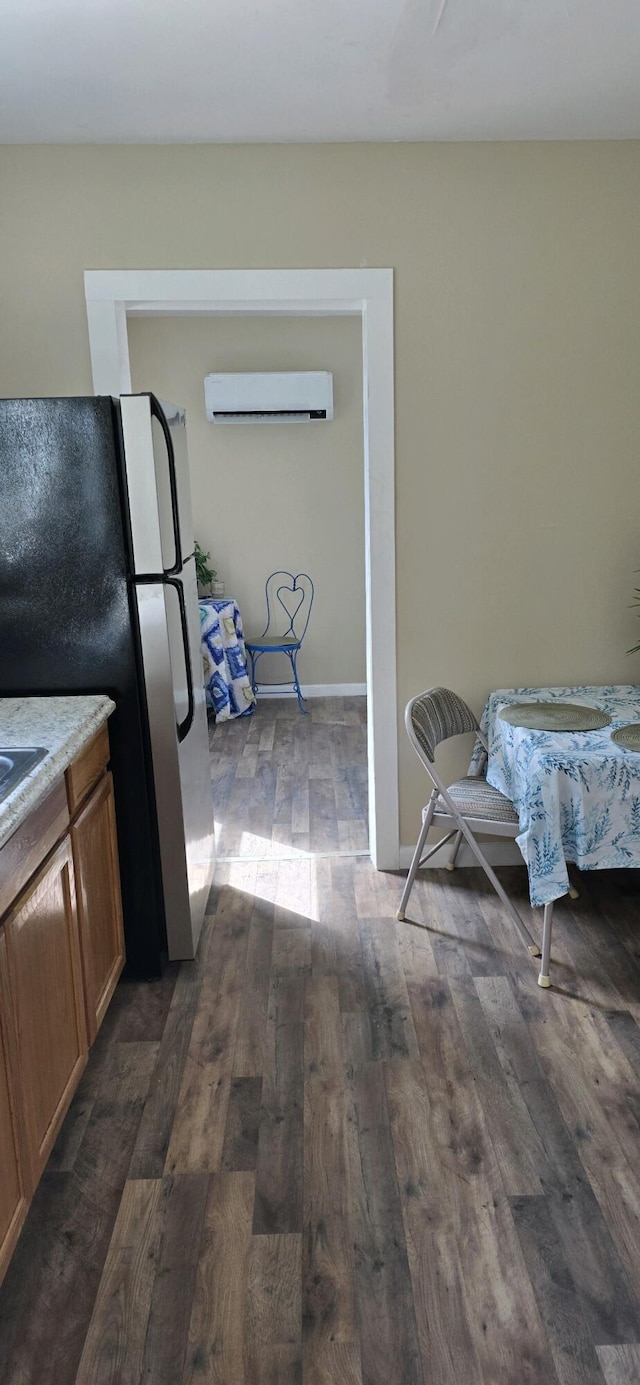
pixel 498 853
pixel 313 690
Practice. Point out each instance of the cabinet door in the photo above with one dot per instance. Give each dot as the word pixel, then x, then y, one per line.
pixel 95 857
pixel 45 982
pixel 13 1191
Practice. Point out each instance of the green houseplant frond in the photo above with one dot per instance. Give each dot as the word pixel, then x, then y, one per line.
pixel 205 574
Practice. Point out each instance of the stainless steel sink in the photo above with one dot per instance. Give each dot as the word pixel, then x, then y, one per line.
pixel 15 765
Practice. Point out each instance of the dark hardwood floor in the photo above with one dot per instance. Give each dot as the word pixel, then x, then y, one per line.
pixel 286 782
pixel 341 1150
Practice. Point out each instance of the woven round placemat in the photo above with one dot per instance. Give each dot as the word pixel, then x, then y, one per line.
pixel 554 716
pixel 628 736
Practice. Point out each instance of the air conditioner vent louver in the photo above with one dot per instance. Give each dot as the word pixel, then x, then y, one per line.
pixel 269 397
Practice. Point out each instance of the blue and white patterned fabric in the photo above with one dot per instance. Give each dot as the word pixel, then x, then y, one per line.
pixel 577 794
pixel 224 662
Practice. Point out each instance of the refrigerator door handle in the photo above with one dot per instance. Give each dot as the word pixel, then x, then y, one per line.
pixel 157 412
pixel 161 580
pixel 183 727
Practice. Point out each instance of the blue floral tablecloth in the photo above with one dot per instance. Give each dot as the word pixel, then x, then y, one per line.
pixel 577 794
pixel 224 662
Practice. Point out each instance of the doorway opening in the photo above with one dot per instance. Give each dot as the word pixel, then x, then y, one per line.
pixel 276 497
pixel 114 296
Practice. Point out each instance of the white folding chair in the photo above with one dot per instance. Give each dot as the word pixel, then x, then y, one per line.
pixel 470 805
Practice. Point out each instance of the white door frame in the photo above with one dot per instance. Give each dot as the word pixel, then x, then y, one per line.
pixel 112 295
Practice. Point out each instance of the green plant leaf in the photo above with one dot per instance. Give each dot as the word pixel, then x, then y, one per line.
pixel 205 574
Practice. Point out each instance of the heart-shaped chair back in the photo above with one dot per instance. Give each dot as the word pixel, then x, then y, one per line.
pixel 289 602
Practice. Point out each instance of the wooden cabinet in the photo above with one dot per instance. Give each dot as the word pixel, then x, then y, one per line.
pixel 87 769
pixel 95 857
pixel 45 981
pixel 61 953
pixel 14 1189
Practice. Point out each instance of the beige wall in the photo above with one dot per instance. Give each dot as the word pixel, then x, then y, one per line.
pixel 274 495
pixel 517 315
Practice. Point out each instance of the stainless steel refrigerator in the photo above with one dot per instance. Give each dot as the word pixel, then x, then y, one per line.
pixel 98 593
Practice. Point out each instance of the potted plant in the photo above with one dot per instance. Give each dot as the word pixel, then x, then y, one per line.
pixel 205 574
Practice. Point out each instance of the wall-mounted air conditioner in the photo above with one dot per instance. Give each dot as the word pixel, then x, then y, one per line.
pixel 269 397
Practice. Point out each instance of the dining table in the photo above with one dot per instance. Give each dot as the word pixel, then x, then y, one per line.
pixel 576 793
pixel 224 662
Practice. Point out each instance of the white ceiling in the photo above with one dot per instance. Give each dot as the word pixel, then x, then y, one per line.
pixel 318 70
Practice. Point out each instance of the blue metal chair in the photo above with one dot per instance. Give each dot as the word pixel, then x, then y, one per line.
pixel 288 609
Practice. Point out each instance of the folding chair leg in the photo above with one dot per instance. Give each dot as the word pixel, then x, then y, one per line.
pixel 481 858
pixel 451 863
pixel 416 858
pixel 543 979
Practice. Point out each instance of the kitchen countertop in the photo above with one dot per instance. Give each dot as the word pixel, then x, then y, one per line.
pixel 64 726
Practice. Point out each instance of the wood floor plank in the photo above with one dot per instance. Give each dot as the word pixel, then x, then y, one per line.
pixel 293 896
pixel 197 1137
pixel 456 1115
pixel 215 1348
pixel 446 1342
pixel 615 1182
pixel 335 934
pixel 154 1134
pixel 240 1150
pixel 292 948
pixel 67 1145
pixel 504 1011
pixel 251 1034
pixel 323 1055
pixel 465 922
pixel 114 1348
pixel 278 1203
pixel 611 1079
pixel 515 1140
pixel 517 963
pixel 349 966
pixel 392 1024
pixel 301 808
pixel 270 1365
pixel 329 1313
pixel 283 799
pixel 626 1030
pixel 273 1315
pixel 173 1290
pixel 567 1327
pixel 577 961
pixel 621 1365
pixel 501 1309
pixel 593 1261
pixel 431 905
pixel 338 1364
pixel 353 835
pixel 119 1071
pixel 47 1298
pixel 386 1314
pixel 357 1043
pixel 141 1012
pixel 595 1264
pixel 416 951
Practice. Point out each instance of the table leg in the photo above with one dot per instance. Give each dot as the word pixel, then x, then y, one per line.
pixel 543 979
